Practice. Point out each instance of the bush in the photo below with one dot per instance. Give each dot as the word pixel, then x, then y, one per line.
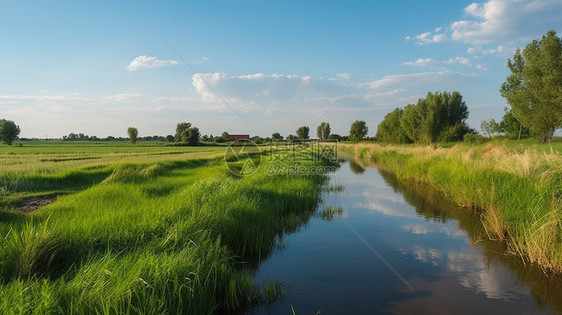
pixel 475 138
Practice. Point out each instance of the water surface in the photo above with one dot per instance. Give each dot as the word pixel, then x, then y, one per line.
pixel 400 249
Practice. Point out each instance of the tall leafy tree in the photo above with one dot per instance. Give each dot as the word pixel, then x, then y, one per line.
pixel 410 122
pixel 440 116
pixel 9 131
pixel 490 127
pixel 225 136
pixel 358 131
pixel 323 130
pixel 302 132
pixel 276 136
pixel 534 88
pixel 187 134
pixel 512 127
pixel 133 134
pixel 181 128
pixel 191 136
pixel 389 129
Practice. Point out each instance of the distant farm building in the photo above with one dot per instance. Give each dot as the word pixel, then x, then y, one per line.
pixel 238 137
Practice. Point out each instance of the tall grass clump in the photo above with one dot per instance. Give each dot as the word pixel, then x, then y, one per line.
pixel 164 237
pixel 516 190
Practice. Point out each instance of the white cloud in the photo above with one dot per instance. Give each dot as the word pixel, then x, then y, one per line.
pixel 344 76
pixel 148 62
pixel 378 95
pixel 428 62
pixel 499 21
pixel 458 59
pixel 200 61
pixel 500 50
pixel 481 67
pixel 475 9
pixel 507 21
pixel 421 62
pixel 427 37
pixel 421 78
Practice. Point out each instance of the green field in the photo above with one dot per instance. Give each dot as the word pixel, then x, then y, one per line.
pixel 140 229
pixel 515 187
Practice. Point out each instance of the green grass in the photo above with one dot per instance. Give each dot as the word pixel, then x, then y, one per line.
pixel 515 187
pixel 42 169
pixel 151 232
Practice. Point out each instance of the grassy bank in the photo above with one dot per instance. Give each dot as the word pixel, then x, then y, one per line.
pixel 516 188
pixel 150 232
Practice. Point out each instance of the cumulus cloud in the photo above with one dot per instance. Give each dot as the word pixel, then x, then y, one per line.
pixel 507 21
pixel 458 59
pixel 421 62
pixel 148 62
pixel 481 67
pixel 428 62
pixel 499 21
pixel 428 37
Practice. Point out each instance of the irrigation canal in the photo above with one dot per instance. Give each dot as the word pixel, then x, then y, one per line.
pixel 400 249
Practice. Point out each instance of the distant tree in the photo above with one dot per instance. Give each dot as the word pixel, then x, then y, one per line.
pixel 258 140
pixel 290 138
pixel 9 131
pixel 276 136
pixel 358 131
pixel 169 138
pixel 302 132
pixel 323 130
pixel 389 130
pixel 133 134
pixel 512 127
pixel 181 128
pixel 334 136
pixel 191 136
pixel 490 128
pixel 534 87
pixel 225 136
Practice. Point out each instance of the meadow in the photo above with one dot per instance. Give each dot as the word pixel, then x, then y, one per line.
pixel 141 229
pixel 515 187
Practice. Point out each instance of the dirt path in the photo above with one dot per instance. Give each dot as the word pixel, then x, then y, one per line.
pixel 31 205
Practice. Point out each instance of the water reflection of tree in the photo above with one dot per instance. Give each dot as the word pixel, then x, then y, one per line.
pixel 433 205
pixel 356 168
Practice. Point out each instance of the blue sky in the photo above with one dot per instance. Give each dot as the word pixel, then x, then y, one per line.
pixel 260 66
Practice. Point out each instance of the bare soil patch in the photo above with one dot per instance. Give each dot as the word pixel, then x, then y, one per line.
pixel 31 205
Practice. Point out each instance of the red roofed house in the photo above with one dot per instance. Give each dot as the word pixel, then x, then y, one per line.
pixel 238 137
